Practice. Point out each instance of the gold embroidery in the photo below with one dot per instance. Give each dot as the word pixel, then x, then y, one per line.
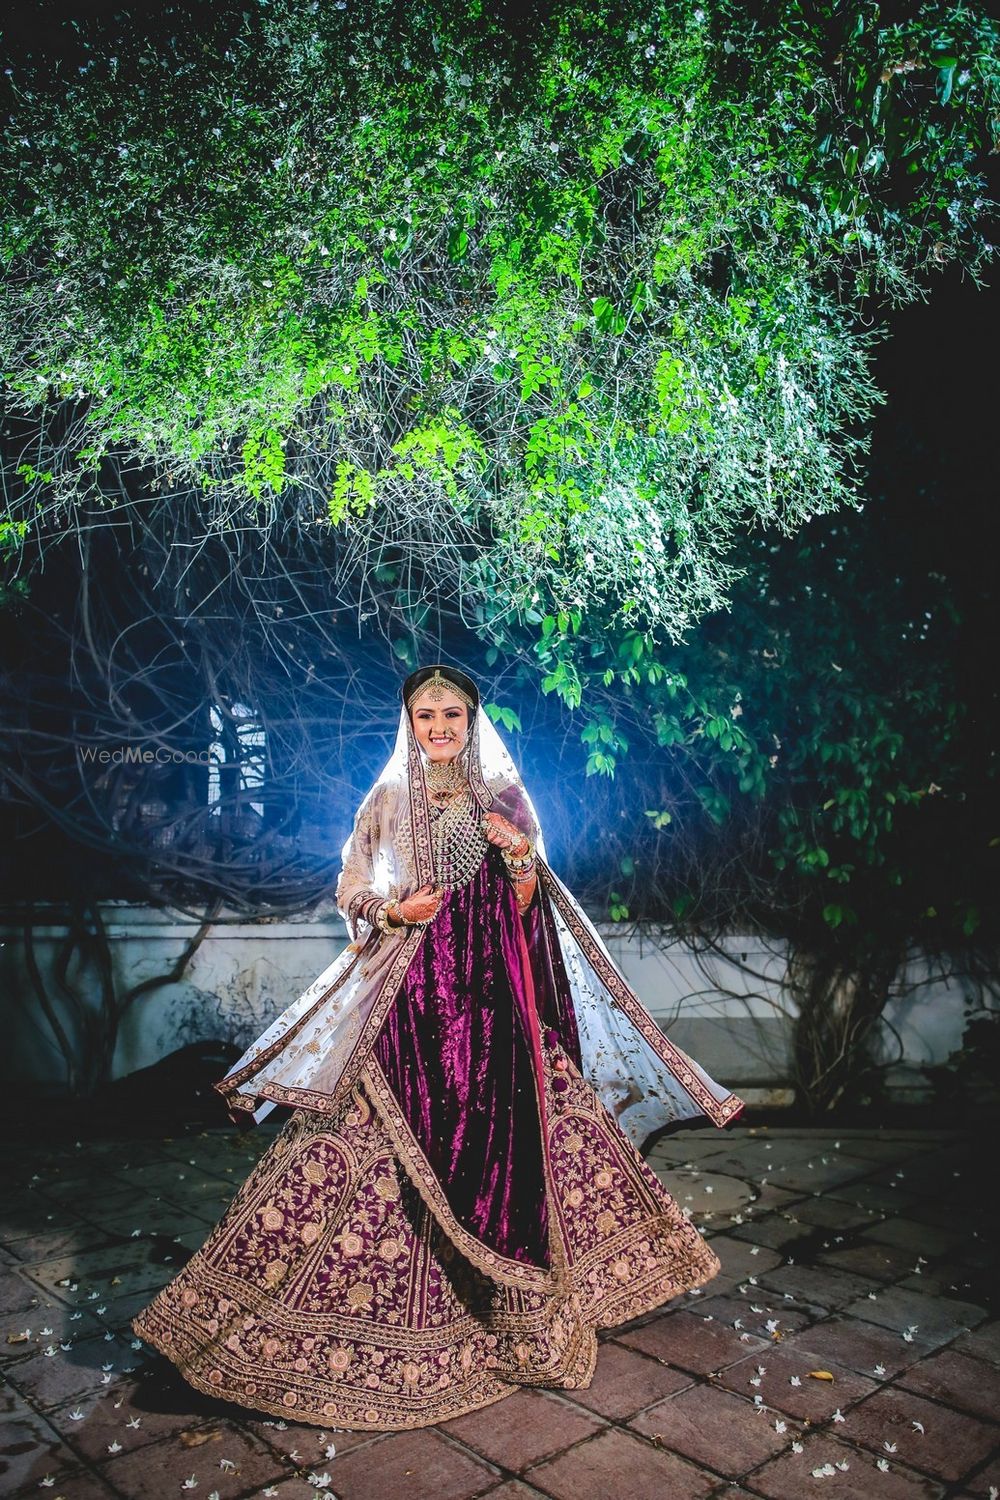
pixel 720 1112
pixel 484 1257
pixel 383 1341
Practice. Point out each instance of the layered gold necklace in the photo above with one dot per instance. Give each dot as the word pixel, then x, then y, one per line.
pixel 457 839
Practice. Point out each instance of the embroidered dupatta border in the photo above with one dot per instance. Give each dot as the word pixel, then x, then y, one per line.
pixel 720 1112
pixel 503 1268
pixel 315 1099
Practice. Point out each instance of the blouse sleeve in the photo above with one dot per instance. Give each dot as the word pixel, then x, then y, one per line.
pixel 357 899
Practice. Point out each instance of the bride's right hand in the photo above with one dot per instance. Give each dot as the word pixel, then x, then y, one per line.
pixel 422 905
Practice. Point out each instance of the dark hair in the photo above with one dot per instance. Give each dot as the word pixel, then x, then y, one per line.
pixel 458 679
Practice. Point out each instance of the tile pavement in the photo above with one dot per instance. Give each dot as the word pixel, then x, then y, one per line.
pixel 850 1347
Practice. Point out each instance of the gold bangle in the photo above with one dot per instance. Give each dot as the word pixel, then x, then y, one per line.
pixel 382 916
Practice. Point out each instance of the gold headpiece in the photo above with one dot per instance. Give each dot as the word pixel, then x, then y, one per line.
pixel 436 686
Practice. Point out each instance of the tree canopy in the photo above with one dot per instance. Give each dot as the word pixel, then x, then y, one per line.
pixel 540 312
pixel 540 334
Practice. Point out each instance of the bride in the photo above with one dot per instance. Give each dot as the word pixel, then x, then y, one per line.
pixel 457 1201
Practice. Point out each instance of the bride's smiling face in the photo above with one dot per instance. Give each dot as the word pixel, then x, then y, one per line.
pixel 441 725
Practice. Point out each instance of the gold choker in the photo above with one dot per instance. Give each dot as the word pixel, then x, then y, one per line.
pixel 445 775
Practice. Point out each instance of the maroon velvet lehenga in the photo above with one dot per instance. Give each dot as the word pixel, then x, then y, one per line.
pixel 462 1222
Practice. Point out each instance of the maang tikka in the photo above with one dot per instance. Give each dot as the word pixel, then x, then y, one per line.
pixel 435 688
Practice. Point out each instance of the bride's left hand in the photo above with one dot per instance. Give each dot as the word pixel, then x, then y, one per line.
pixel 503 833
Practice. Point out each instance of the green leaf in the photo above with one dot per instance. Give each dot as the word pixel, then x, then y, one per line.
pixel 971 920
pixel 617 907
pixel 458 243
pixel 659 819
pixel 945 80
pixel 606 316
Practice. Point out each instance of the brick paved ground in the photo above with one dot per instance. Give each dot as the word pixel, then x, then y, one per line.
pixel 867 1256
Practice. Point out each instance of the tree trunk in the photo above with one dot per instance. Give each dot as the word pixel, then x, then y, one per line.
pixel 840 1001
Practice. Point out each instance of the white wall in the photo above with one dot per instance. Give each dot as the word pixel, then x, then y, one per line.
pixel 725 1008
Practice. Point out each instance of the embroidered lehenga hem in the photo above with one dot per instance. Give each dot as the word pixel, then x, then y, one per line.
pixel 332 1293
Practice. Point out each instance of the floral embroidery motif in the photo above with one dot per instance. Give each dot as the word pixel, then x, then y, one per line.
pixel 331 1284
